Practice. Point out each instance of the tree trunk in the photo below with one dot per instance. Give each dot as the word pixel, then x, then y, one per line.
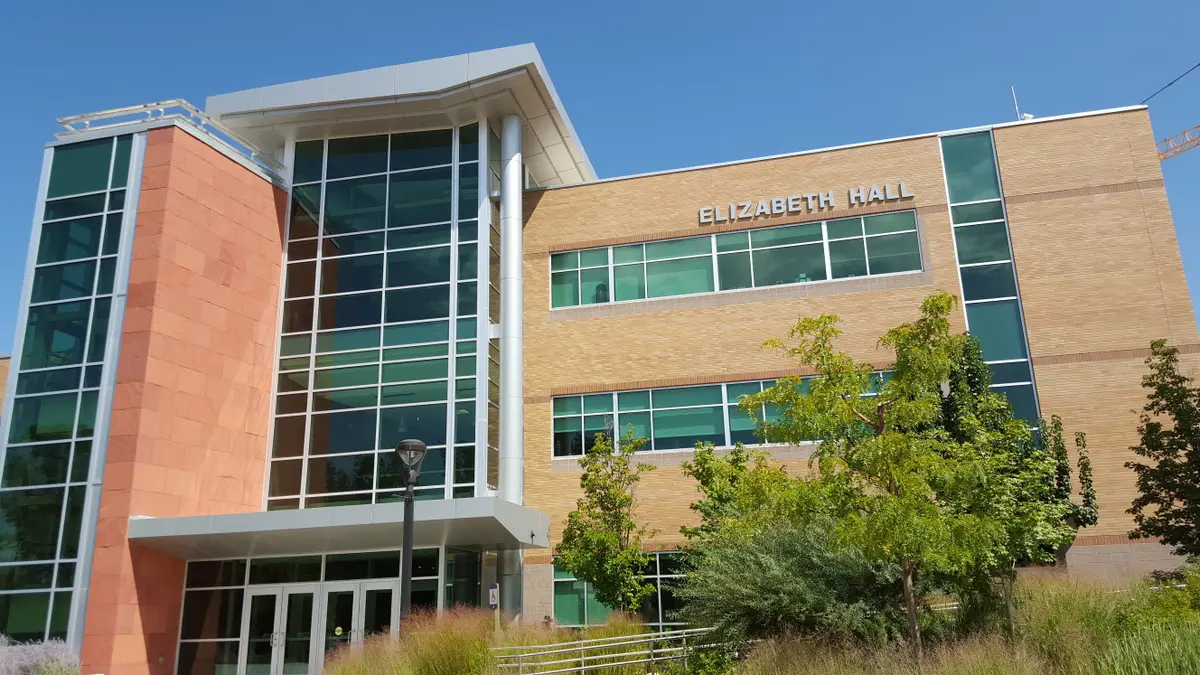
pixel 910 602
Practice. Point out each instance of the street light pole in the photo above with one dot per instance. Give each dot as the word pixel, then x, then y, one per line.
pixel 411 453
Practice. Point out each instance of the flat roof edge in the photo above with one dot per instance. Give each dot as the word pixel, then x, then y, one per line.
pixel 847 146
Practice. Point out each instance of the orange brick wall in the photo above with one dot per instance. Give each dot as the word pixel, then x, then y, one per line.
pixel 191 405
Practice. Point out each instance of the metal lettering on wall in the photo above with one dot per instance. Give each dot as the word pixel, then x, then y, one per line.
pixel 811 202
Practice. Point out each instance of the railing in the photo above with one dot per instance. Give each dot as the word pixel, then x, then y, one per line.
pixel 175 109
pixel 583 656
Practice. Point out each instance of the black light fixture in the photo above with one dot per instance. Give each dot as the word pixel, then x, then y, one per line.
pixel 411 453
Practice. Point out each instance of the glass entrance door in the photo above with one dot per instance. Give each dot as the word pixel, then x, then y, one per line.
pixel 277 631
pixel 356 610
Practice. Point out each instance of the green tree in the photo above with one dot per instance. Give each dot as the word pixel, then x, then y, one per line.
pixel 602 540
pixel 717 478
pixel 1168 506
pixel 882 452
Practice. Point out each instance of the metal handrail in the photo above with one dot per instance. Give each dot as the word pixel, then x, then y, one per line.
pixel 649 648
pixel 182 111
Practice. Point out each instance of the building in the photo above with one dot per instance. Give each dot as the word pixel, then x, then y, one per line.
pixel 230 318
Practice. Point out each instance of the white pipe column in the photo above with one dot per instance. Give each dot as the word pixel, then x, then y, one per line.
pixel 510 562
pixel 512 315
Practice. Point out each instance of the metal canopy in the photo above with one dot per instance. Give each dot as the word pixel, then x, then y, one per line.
pixel 481 523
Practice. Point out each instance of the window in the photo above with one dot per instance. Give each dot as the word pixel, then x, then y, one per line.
pixel 575 603
pixel 790 254
pixel 378 329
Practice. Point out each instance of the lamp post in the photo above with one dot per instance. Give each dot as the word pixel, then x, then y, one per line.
pixel 411 453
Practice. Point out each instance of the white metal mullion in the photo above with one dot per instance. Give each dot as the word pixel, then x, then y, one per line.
pixel 725 416
pixel 302 492
pixel 452 325
pixel 825 248
pixel 483 228
pixel 712 244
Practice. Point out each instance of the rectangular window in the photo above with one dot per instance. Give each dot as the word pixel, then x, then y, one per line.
pixel 575 603
pixel 789 254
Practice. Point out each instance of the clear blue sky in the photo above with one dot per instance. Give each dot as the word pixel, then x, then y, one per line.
pixel 648 85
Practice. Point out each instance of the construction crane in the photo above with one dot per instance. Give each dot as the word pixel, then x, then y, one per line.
pixel 1179 144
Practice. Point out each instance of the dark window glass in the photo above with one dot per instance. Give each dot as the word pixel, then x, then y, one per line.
pixel 360 273
pixel 208 658
pixel 306 209
pixel 283 504
pixel 426 422
pixel 23 616
pixel 422 148
pixel 422 266
pixel 302 250
pixel 120 170
pixel 467 298
pixel 682 428
pixel 790 265
pixel 346 377
pixel 344 311
pixel 416 304
pixel 289 404
pixel 419 197
pixel 70 536
pixel 347 473
pixel 568 436
pixel 112 233
pixel 36 465
pixel 353 499
pixel 60 612
pixel 348 244
pixel 409 237
pixel 66 575
pixel 99 330
pixel 348 359
pixel 848 227
pixel 1010 372
pixel 116 200
pixel 208 573
pixel 420 392
pixel 988 281
pixel 63 282
pixel 464 464
pixel 981 243
pixel 468 191
pixel 55 335
pixel 894 253
pixel 780 236
pixel 336 341
pixel 468 261
pixel 289 437
pixel 974 213
pixel 43 418
pixel 629 282
pixel 291 382
pixel 970 167
pixel 31 520
pixel 741 427
pixel 306 167
pixel 108 270
pixel 468 143
pixel 285 477
pixel 81 465
pixel 75 207
pixel 69 239
pixel 345 399
pixel 733 271
pixel 847 258
pixel 680 277
pixel 26 577
pixel 285 570
pixel 91 376
pixel 298 316
pixel 48 380
pixel 340 432
pixel 80 167
pixel 890 222
pixel 212 614
pixel 392 472
pixel 296 344
pixel 376 565
pixel 1022 401
pixel 998 327
pixel 410 371
pixel 356 156
pixel 464 421
pixel 355 205
pixel 425 562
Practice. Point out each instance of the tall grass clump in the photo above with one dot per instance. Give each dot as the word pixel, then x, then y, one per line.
pixel 985 655
pixel 1066 623
pixel 52 657
pixel 1156 649
pixel 455 643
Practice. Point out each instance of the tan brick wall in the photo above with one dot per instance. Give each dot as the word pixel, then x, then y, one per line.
pixel 1096 257
pixel 194 380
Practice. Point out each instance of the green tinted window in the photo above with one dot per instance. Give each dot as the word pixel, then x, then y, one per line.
pixel 419 392
pixel 683 428
pixel 356 156
pixel 306 210
pixel 629 282
pixel 564 261
pixel 74 207
pixel 424 235
pixel 342 340
pixel 570 599
pixel 43 418
pixel 48 380
pixel 342 432
pixel 416 304
pixel 626 254
pixel 430 331
pixel 426 422
pixel 970 167
pixel 988 281
pixel 848 227
pixel 307 163
pixel 974 213
pixel 733 269
pixel 593 257
pixel 64 282
pixel 593 285
pixel 1021 398
pixel 568 405
pixel 683 396
pixel 894 253
pixel 343 399
pixel 422 266
pixel 597 403
pixel 31 523
pixel 780 236
pixel 415 370
pixel 998 327
pixel 346 377
pixel 285 570
pixel 789 265
pixel 890 222
pixel 419 197
pixel 355 205
pixel 120 170
pixel 345 473
pixel 847 258
pixel 69 239
pixel 981 243
pixel 633 400
pixel 677 248
pixel 36 465
pixel 424 148
pixel 678 277
pixel 733 241
pixel 80 167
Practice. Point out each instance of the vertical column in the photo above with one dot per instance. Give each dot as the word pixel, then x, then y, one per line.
pixel 512 368
pixel 512 315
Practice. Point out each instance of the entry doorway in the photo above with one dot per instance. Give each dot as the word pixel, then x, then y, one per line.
pixel 277 630
pixel 355 610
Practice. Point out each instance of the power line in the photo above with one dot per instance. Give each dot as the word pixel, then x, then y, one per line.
pixel 1170 83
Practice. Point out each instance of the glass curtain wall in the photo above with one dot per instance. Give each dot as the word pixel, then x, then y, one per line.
pixel 769 256
pixel 985 266
pixel 575 604
pixel 47 454
pixel 379 328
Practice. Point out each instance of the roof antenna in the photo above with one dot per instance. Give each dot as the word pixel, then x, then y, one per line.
pixel 1020 117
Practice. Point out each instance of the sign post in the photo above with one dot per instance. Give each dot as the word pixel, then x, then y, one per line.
pixel 494 603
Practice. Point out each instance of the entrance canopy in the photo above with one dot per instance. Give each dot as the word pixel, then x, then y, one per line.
pixel 480 523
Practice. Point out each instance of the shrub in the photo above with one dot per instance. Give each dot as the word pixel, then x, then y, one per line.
pixel 52 657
